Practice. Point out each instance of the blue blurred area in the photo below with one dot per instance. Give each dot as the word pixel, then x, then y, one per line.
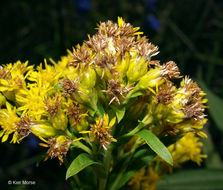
pixel 152 22
pixel 83 5
pixel 32 142
pixel 150 4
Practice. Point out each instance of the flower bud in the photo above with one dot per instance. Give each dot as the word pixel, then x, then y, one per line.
pixel 82 125
pixel 88 78
pixel 60 121
pixel 136 69
pixel 43 129
pixel 150 79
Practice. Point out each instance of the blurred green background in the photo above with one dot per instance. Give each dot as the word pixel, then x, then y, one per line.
pixel 189 32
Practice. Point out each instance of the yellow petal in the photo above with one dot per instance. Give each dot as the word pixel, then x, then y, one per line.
pixel 4 138
pixel 112 122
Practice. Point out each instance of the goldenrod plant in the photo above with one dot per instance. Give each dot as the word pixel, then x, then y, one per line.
pixel 108 110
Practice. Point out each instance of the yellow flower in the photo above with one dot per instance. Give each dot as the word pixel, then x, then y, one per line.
pixel 57 115
pixel 63 66
pixel 187 101
pixel 144 179
pixel 47 77
pixel 12 78
pixel 32 101
pixel 187 148
pixel 8 120
pixel 101 131
pixel 136 180
pixel 132 31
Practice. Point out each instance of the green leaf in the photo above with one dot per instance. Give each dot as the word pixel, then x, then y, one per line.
pixel 100 109
pixel 79 163
pixel 215 105
pixel 136 94
pixel 119 111
pixel 202 179
pixel 156 145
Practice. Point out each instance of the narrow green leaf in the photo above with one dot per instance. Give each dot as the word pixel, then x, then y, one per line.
pixel 202 179
pixel 156 145
pixel 79 163
pixel 215 105
pixel 136 94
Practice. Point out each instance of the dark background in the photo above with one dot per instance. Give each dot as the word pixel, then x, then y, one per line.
pixel 189 32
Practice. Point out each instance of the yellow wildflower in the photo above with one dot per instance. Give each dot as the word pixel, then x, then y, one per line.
pixel 8 120
pixel 187 148
pixel 144 179
pixel 100 131
pixel 12 78
pixel 31 101
pixel 47 77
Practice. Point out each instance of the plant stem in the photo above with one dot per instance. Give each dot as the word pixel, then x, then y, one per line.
pixel 146 121
pixel 107 161
pixel 82 146
pixel 125 165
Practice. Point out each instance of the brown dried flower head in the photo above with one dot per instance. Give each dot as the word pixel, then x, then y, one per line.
pixel 97 43
pixel 80 55
pixel 74 113
pixel 57 149
pixel 165 94
pixel 23 127
pixel 52 106
pixel 108 29
pixel 170 70
pixel 70 87
pixel 115 90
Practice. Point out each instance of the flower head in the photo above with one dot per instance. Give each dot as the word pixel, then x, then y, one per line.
pixel 58 147
pixel 101 131
pixel 187 148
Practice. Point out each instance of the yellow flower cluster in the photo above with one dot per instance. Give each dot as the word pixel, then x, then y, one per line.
pixel 83 97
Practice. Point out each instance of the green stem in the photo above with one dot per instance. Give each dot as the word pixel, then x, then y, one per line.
pixel 146 121
pixel 125 165
pixel 82 146
pixel 107 161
